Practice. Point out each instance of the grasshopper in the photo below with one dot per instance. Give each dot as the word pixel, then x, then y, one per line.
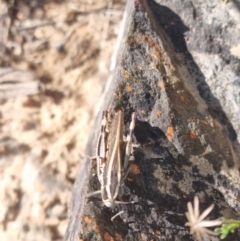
pixel 113 154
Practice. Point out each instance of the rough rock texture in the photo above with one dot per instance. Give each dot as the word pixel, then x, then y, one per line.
pixel 188 144
pixel 206 37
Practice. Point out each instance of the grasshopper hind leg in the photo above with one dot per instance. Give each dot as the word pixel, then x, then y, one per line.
pixel 128 147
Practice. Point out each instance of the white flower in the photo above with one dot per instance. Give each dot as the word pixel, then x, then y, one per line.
pixel 198 226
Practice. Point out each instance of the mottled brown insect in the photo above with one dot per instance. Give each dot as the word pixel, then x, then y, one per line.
pixel 113 154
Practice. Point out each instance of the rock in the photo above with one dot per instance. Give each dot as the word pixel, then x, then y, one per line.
pixel 187 146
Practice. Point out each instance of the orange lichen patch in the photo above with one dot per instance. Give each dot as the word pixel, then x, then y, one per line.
pixel 158 113
pixel 126 75
pixel 134 169
pixel 169 133
pixel 107 237
pixel 182 98
pixel 118 237
pixel 193 135
pixel 201 200
pixel 129 88
pixel 161 85
pixel 87 220
pixel 158 232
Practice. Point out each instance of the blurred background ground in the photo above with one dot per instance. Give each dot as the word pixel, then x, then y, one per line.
pixel 54 60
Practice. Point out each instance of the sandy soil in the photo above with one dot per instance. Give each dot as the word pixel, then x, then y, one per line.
pixel 54 58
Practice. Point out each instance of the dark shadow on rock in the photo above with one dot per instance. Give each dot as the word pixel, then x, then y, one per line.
pixel 162 171
pixel 172 25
